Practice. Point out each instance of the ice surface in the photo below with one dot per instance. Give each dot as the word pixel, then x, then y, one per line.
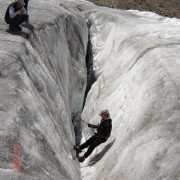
pixel 136 62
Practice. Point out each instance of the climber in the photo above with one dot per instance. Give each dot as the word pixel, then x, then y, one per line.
pixel 103 133
pixel 16 15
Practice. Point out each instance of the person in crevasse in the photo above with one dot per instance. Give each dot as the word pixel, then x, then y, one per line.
pixel 15 15
pixel 103 133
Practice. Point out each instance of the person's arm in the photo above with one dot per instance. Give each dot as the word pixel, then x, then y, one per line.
pixel 23 10
pixel 93 125
pixel 12 14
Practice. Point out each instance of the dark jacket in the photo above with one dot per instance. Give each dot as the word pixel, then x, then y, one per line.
pixel 7 15
pixel 104 128
pixel 12 12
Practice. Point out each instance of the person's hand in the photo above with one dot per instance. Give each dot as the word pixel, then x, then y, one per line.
pixel 22 10
pixel 90 125
pixel 20 7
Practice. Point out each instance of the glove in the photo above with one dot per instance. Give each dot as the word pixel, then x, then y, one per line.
pixel 93 125
pixel 90 125
pixel 22 10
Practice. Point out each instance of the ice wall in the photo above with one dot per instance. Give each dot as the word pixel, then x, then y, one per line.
pixel 43 81
pixel 136 62
pixel 42 86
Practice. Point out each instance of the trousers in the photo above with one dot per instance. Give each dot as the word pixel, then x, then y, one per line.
pixel 92 142
pixel 26 4
pixel 17 20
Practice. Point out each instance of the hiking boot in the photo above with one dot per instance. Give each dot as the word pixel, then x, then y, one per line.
pixel 77 148
pixel 19 28
pixel 13 28
pixel 81 159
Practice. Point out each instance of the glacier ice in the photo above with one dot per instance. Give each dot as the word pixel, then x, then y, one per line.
pixel 136 63
pixel 43 81
pixel 42 86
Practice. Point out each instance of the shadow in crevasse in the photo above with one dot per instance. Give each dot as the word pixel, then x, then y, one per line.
pixel 100 155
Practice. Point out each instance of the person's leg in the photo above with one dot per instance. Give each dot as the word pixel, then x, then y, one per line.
pixel 24 17
pixel 93 145
pixel 85 145
pixel 88 142
pixel 26 4
pixel 14 22
pixel 97 141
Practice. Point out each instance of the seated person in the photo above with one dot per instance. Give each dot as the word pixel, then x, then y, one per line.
pixel 16 15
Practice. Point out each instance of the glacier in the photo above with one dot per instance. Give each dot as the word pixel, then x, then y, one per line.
pixel 42 86
pixel 43 78
pixel 136 64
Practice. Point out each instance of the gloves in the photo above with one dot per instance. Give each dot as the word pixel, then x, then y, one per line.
pixel 22 10
pixel 93 125
pixel 90 125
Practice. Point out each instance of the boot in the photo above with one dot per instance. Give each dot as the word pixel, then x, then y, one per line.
pixel 19 28
pixel 13 28
pixel 77 148
pixel 81 159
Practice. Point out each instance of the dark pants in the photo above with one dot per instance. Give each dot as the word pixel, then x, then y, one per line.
pixel 17 20
pixel 26 4
pixel 92 142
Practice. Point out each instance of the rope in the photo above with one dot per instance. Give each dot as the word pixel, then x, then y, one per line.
pixel 84 121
